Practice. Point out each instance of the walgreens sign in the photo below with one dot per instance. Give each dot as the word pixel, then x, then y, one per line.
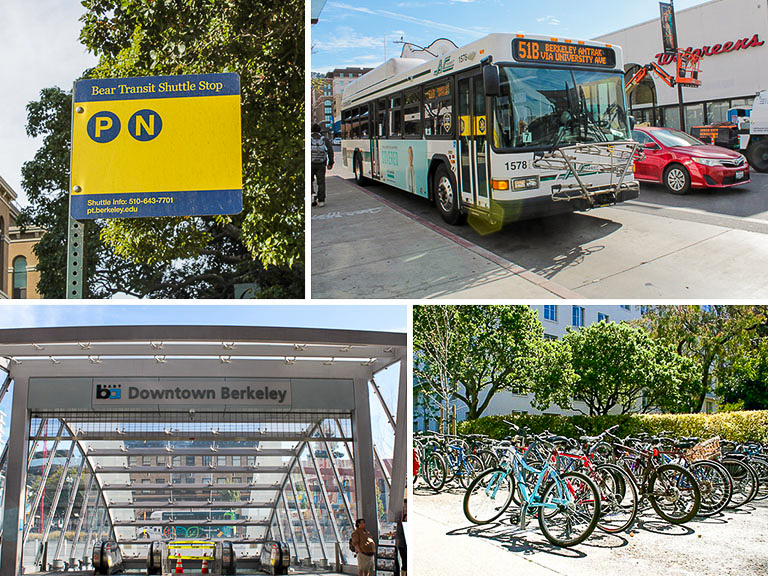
pixel 714 49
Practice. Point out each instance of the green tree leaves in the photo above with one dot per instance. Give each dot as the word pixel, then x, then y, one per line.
pixel 189 257
pixel 619 367
pixel 727 343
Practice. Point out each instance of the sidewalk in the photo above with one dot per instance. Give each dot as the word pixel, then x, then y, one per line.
pixel 366 247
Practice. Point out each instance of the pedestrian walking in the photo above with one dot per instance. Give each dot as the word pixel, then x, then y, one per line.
pixel 321 156
pixel 363 543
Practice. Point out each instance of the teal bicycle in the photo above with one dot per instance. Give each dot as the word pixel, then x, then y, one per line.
pixel 567 504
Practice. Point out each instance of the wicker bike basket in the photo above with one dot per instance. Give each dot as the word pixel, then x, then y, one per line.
pixel 706 450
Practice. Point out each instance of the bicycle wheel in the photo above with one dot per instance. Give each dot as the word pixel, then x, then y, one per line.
pixel 469 469
pixel 715 485
pixel 744 482
pixel 489 459
pixel 570 509
pixel 435 473
pixel 618 498
pixel 760 465
pixel 488 496
pixel 674 493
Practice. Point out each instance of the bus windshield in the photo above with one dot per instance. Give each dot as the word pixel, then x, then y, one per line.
pixel 546 108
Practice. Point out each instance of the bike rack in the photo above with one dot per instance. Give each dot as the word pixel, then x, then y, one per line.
pixel 601 158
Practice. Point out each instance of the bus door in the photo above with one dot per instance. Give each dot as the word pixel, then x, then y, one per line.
pixel 472 142
pixel 379 128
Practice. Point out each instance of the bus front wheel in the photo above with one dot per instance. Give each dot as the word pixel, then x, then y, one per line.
pixel 360 180
pixel 446 195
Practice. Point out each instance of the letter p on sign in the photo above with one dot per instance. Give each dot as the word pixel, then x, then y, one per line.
pixel 103 127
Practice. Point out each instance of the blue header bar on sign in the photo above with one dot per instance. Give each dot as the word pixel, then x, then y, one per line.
pixel 146 87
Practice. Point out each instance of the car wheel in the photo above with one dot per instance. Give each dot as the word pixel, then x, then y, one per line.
pixel 677 180
pixel 445 193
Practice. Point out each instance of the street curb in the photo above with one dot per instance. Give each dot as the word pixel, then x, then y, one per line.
pixel 548 285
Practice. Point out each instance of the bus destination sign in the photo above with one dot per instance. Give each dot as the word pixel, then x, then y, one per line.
pixel 543 51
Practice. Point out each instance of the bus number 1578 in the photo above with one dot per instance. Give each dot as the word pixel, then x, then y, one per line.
pixel 522 165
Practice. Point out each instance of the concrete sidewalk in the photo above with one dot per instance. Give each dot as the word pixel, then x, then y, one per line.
pixel 366 247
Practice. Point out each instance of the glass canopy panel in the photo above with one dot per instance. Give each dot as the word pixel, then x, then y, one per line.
pixel 206 476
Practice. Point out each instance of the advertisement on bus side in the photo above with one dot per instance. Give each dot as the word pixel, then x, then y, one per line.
pixel 404 164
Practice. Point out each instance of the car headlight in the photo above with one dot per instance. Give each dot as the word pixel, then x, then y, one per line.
pixel 706 161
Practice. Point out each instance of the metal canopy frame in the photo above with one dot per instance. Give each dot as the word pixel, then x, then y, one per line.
pixel 200 352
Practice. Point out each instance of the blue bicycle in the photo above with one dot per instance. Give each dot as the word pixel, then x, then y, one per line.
pixel 568 504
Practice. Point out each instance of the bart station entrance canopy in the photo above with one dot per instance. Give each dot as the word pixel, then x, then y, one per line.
pixel 218 433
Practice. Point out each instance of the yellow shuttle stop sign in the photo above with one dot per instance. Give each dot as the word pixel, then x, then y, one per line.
pixel 156 146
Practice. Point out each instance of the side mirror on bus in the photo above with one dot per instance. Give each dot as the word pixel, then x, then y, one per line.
pixel 632 122
pixel 491 80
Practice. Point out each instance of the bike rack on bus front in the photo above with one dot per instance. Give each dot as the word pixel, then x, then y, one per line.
pixel 600 158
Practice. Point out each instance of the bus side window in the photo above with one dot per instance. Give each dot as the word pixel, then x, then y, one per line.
pixel 381 114
pixel 412 114
pixel 363 129
pixel 395 117
pixel 438 109
pixel 346 128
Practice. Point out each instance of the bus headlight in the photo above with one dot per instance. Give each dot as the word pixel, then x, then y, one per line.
pixel 526 183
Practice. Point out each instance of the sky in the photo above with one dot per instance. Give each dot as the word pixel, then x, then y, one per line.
pixel 362 33
pixel 349 317
pixel 39 48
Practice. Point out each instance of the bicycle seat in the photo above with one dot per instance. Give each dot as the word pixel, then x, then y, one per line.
pixel 558 439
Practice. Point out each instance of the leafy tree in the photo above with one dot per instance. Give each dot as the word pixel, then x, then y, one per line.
pixel 747 388
pixel 473 352
pixel 196 257
pixel 716 337
pixel 618 365
pixel 435 353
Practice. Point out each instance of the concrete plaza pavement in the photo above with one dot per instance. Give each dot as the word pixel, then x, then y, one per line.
pixel 366 247
pixel 379 242
pixel 733 543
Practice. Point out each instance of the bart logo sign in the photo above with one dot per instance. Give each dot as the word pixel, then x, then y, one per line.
pixel 156 146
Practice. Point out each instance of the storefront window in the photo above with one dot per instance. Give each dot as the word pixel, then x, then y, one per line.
pixel 671 117
pixel 694 115
pixel 717 112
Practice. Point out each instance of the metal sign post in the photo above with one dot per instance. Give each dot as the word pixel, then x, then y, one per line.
pixel 75 258
pixel 73 283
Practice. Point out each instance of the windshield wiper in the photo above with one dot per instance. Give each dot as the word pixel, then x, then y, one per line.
pixel 589 119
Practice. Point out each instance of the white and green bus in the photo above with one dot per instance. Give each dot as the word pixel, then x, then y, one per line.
pixel 507 128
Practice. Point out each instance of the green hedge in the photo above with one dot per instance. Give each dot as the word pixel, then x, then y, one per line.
pixel 747 426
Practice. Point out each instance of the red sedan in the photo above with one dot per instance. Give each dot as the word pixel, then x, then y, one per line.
pixel 681 162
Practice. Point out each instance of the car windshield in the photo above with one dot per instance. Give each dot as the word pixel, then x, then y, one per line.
pixel 546 108
pixel 669 137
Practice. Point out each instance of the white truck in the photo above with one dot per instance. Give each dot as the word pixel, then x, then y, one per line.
pixel 752 125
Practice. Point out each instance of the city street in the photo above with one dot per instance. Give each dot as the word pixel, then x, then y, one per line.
pixel 732 543
pixel 703 245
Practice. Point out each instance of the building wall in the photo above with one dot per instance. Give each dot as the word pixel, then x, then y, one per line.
pixel 8 213
pixel 733 75
pixel 21 245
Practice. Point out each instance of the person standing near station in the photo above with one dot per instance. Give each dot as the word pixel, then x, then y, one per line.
pixel 364 545
pixel 321 156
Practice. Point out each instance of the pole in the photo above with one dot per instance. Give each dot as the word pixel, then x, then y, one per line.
pixel 680 107
pixel 75 233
